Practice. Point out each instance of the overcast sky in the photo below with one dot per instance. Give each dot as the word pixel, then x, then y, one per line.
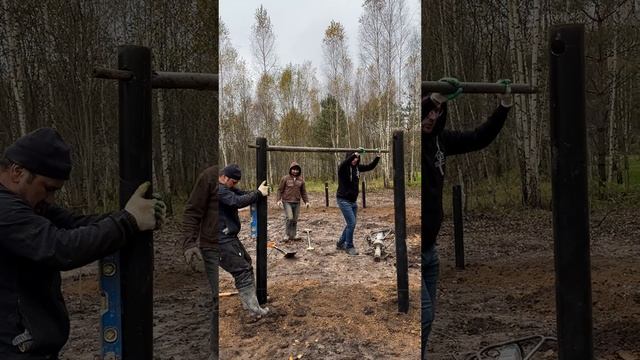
pixel 298 25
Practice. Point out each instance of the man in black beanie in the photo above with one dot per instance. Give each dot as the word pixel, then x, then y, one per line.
pixel 437 143
pixel 211 225
pixel 39 239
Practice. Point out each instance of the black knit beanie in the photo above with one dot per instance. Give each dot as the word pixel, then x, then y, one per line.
pixel 232 171
pixel 42 152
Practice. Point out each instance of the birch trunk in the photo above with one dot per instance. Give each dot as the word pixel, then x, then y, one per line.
pixel 165 154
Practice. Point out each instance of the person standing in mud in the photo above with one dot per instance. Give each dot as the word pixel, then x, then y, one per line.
pixel 437 143
pixel 38 239
pixel 290 192
pixel 218 242
pixel 348 188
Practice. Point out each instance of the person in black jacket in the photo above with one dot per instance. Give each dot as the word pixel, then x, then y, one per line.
pixel 437 143
pixel 39 239
pixel 234 259
pixel 348 180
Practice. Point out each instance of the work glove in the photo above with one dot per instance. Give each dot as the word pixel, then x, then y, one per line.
pixel 307 204
pixel 506 98
pixel 378 153
pixel 362 150
pixel 263 188
pixel 144 210
pixel 442 98
pixel 279 203
pixel 160 210
pixel 193 259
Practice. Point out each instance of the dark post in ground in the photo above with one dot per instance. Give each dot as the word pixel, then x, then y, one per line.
pixel 570 192
pixel 136 258
pixel 402 267
pixel 364 192
pixel 458 231
pixel 261 250
pixel 326 194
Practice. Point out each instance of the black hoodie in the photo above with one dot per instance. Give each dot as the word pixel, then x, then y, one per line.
pixel 435 147
pixel 349 176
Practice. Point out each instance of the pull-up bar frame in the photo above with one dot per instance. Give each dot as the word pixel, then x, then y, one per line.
pixel 262 147
pixel 315 149
pixel 127 276
pixel 476 87
pixel 164 79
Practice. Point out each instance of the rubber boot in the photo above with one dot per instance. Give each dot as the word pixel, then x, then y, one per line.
pixel 250 301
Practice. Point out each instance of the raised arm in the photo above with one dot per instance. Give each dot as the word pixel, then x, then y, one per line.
pixel 370 166
pixel 459 142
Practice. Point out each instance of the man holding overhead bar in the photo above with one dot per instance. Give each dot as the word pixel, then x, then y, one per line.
pixel 437 143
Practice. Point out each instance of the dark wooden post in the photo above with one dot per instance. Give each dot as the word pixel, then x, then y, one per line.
pixel 135 168
pixel 570 192
pixel 326 194
pixel 402 267
pixel 261 250
pixel 458 231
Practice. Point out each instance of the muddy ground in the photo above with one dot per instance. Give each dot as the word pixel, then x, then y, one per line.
pixel 327 305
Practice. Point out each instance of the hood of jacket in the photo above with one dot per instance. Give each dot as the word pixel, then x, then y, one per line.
pixel 294 165
pixel 427 105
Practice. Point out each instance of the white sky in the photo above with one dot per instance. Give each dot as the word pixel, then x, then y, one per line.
pixel 298 25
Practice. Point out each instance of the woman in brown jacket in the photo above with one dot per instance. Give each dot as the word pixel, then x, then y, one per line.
pixel 290 192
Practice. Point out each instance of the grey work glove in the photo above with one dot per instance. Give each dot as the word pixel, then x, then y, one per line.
pixel 506 98
pixel 193 259
pixel 144 210
pixel 279 203
pixel 263 188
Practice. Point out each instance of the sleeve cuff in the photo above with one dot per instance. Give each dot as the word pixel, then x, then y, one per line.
pixel 438 98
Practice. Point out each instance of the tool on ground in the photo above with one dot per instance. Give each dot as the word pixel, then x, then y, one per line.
pixel 518 349
pixel 287 254
pixel 379 240
pixel 308 231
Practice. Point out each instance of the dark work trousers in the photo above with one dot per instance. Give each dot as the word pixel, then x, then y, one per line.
pixel 211 259
pixel 235 260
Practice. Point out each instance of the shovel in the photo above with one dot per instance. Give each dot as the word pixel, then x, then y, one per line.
pixel 309 239
pixel 287 254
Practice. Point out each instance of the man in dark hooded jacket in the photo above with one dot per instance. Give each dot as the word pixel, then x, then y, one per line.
pixel 437 143
pixel 348 187
pixel 290 192
pixel 39 239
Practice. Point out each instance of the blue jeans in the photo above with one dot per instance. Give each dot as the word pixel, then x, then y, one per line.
pixel 211 259
pixel 349 211
pixel 291 211
pixel 430 271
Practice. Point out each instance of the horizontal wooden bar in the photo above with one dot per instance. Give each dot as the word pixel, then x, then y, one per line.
pixel 476 87
pixel 314 149
pixel 165 79
pixel 102 73
pixel 182 80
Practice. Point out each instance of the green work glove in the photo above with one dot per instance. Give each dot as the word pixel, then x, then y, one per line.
pixel 361 150
pixel 160 210
pixel 441 98
pixel 506 99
